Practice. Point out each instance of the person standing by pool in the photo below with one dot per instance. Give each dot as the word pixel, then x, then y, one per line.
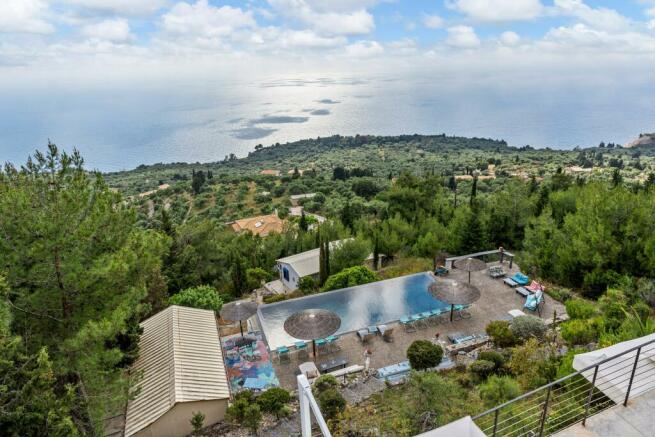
pixel 367 359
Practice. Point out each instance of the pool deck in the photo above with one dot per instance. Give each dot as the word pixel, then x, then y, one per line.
pixel 495 301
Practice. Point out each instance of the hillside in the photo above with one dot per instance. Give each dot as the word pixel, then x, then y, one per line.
pixel 263 181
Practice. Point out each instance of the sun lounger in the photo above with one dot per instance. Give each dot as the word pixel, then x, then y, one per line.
pixel 511 282
pixel 386 333
pixel 458 337
pixel 468 344
pixel 535 286
pixel 523 291
pixel 520 278
pixel 364 335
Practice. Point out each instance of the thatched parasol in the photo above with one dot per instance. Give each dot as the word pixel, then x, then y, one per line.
pixel 312 324
pixel 454 293
pixel 241 310
pixel 470 265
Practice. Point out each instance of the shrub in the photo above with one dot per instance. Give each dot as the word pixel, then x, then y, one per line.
pixel 499 389
pixel 349 278
pixel 203 296
pixel 331 403
pixel 579 332
pixel 323 383
pixel 307 285
pixel 482 368
pixel 252 417
pixel 274 400
pixel 197 421
pixel 525 327
pixel 500 333
pixel 274 298
pixel 580 309
pixel 423 354
pixel 495 357
pixel 237 411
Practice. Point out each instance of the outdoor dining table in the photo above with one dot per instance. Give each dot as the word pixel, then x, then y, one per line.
pixel 333 364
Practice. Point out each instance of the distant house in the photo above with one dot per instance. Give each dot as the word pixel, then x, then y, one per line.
pixel 297 197
pixel 261 225
pixel 296 211
pixel 182 370
pixel 270 172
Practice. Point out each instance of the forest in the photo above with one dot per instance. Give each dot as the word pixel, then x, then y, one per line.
pixel 84 257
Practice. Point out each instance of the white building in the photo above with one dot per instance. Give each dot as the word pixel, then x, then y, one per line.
pixel 181 372
pixel 293 268
pixel 297 266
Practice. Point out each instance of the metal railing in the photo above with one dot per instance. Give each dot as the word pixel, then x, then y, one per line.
pixel 484 255
pixel 575 397
pixel 308 406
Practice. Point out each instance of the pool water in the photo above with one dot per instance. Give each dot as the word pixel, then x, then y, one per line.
pixel 359 307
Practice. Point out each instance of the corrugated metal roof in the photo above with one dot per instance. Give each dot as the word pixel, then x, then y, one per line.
pixel 181 361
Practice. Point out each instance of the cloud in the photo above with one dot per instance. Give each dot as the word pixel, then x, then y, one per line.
pixel 327 18
pixel 116 30
pixel 601 18
pixel 463 37
pixel 252 132
pixel 278 119
pixel 498 10
pixel 582 37
pixel 432 21
pixel 24 16
pixel 509 38
pixel 328 101
pixel 320 112
pixel 304 39
pixel 363 49
pixel 202 19
pixel 122 7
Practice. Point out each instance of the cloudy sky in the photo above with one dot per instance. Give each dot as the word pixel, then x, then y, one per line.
pixel 92 38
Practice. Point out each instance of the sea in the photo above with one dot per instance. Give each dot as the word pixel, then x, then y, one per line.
pixel 119 127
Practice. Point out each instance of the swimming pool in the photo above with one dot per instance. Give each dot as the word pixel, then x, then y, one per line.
pixel 358 307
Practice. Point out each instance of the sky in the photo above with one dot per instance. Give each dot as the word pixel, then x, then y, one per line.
pixel 94 41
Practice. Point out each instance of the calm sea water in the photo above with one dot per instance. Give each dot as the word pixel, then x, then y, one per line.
pixel 358 307
pixel 204 121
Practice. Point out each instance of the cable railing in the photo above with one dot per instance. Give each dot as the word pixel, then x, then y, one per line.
pixel 575 397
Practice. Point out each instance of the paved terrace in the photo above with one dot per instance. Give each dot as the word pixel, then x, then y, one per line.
pixel 635 420
pixel 495 301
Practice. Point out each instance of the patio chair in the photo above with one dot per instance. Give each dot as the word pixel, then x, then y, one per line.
pixel 419 321
pixel 364 335
pixel 301 350
pixel 496 272
pixel 386 333
pixel 322 346
pixel 440 271
pixel 461 313
pixel 333 343
pixel 282 353
pixel 533 302
pixel 407 324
